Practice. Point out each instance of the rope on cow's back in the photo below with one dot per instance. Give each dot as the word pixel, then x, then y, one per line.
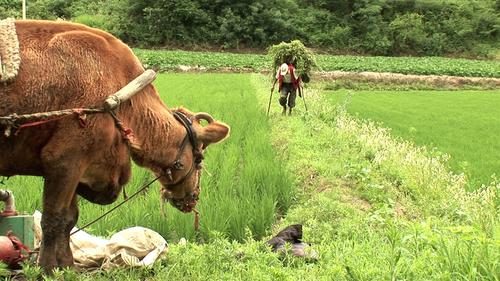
pixel 19 122
pixel 34 119
pixel 112 102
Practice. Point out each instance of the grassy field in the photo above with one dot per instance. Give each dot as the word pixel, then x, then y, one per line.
pixel 463 124
pixel 374 208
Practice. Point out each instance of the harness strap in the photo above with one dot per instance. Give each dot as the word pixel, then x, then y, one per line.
pixel 191 137
pixel 189 127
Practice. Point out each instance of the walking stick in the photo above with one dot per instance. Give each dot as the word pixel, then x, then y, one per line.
pixel 269 106
pixel 303 97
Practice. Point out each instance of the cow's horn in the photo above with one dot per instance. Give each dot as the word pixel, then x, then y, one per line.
pixel 204 116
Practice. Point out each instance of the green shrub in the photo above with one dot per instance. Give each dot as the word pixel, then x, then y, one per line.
pixel 97 21
pixel 336 39
pixel 408 33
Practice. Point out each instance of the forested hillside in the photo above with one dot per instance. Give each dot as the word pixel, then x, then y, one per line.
pixel 376 27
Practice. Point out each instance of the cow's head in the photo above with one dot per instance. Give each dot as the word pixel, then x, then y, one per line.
pixel 180 173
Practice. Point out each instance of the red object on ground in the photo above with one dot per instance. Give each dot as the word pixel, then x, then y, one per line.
pixel 10 251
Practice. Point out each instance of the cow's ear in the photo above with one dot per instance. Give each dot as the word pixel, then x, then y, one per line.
pixel 212 133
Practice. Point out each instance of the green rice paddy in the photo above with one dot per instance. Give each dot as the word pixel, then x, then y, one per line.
pixel 463 124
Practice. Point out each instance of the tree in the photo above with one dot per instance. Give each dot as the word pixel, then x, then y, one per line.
pixel 10 8
pixel 408 33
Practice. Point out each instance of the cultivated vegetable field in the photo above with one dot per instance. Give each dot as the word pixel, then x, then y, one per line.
pixel 170 60
pixel 412 65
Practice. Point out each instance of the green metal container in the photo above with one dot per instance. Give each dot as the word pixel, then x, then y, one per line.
pixel 21 227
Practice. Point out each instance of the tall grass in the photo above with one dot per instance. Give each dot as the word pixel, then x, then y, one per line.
pixel 247 186
pixel 463 124
pixel 244 188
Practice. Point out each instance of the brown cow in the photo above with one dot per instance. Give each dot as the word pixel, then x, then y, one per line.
pixel 66 65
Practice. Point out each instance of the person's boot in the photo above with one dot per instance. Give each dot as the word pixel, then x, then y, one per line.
pixel 284 110
pixel 289 111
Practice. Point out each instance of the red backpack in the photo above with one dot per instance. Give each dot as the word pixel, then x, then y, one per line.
pixel 295 82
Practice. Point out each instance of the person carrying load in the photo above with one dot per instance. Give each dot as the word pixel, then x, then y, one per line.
pixel 289 82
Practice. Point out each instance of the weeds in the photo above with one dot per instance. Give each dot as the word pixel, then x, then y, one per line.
pixel 414 200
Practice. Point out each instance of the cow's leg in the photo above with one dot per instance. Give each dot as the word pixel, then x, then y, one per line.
pixel 60 213
pixel 64 255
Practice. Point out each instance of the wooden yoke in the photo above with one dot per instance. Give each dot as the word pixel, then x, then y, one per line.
pixel 130 89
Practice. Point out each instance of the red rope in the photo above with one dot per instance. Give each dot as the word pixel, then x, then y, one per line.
pixel 19 246
pixel 79 112
pixel 127 134
pixel 36 123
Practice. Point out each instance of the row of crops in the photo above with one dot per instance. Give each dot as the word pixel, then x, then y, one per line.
pixel 171 60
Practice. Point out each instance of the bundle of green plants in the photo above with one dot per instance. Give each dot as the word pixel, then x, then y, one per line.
pixel 295 53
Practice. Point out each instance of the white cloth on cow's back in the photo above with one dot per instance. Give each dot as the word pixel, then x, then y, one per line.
pixel 131 247
pixel 10 58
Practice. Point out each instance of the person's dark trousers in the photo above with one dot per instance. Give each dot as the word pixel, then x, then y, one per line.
pixel 288 93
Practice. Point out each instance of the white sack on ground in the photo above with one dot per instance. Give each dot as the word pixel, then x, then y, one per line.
pixel 131 247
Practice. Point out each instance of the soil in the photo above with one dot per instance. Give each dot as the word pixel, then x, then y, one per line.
pixel 440 80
